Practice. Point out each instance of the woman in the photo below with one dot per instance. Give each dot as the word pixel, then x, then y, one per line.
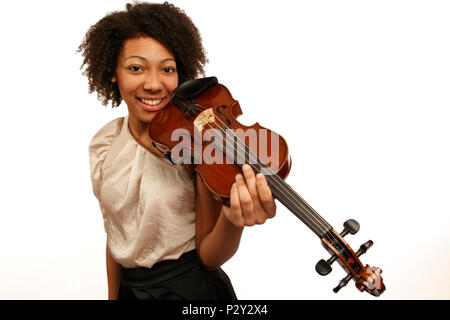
pixel 166 235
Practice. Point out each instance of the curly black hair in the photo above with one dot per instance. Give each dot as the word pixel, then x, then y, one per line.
pixel 164 22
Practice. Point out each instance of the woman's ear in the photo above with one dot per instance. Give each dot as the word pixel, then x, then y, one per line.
pixel 114 79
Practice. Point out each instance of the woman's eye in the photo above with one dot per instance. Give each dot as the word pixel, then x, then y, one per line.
pixel 169 69
pixel 134 68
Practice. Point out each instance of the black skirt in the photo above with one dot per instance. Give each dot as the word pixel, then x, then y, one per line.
pixel 181 279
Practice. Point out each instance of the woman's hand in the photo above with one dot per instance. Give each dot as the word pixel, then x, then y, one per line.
pixel 251 200
pixel 218 227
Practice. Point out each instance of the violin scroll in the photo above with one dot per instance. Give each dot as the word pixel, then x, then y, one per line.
pixel 370 280
pixel 367 278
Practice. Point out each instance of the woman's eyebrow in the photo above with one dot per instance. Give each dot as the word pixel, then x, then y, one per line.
pixel 144 59
pixel 167 59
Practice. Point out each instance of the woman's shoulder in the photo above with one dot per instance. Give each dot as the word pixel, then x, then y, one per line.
pixel 103 139
pixel 99 147
pixel 108 132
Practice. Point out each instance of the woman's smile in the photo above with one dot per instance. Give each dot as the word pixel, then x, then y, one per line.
pixel 152 104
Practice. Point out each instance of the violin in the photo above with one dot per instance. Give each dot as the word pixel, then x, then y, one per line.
pixel 199 127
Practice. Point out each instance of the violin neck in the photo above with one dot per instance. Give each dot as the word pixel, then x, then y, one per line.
pixel 299 207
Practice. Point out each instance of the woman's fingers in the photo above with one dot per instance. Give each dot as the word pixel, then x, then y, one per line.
pixel 250 181
pixel 263 203
pixel 259 216
pixel 265 195
pixel 246 201
pixel 251 200
pixel 234 212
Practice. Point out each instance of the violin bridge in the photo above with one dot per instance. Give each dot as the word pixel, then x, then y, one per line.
pixel 204 118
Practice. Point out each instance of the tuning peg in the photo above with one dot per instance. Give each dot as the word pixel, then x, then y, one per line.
pixel 350 226
pixel 343 283
pixel 324 267
pixel 364 247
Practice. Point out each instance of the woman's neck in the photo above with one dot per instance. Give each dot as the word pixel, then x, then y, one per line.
pixel 138 128
pixel 139 132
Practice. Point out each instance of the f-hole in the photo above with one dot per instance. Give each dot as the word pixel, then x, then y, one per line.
pixel 222 115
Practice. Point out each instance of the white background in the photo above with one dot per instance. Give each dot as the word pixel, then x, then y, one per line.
pixel 359 89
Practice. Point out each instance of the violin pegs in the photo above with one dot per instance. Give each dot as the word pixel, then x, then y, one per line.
pixel 324 267
pixel 364 247
pixel 343 283
pixel 350 226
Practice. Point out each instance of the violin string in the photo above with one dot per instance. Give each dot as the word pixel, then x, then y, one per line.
pixel 324 230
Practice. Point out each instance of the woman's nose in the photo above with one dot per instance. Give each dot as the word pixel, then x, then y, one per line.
pixel 153 82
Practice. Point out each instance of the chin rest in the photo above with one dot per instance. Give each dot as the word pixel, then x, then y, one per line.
pixel 193 87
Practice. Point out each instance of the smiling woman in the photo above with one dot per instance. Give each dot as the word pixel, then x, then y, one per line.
pixel 145 63
pixel 166 235
pixel 146 76
pixel 104 41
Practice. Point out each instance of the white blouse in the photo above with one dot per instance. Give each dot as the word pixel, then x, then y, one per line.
pixel 147 203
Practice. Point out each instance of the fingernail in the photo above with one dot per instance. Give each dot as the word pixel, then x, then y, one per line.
pixel 259 176
pixel 239 176
pixel 245 167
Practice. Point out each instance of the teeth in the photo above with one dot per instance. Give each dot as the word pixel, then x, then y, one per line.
pixel 151 102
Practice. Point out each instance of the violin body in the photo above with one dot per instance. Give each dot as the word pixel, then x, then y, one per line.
pixel 197 148
pixel 199 127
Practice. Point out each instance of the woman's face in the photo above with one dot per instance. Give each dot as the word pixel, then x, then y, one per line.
pixel 146 75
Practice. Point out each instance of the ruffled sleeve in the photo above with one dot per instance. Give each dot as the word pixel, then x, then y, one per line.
pixel 98 149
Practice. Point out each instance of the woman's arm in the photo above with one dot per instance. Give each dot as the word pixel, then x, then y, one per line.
pixel 219 228
pixel 214 247
pixel 113 274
